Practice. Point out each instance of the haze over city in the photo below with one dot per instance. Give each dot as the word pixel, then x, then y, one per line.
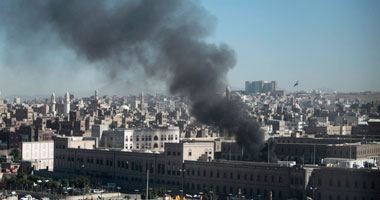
pixel 189 99
pixel 323 44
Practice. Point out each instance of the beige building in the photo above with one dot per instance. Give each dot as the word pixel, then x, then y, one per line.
pixel 345 184
pixel 187 165
pixel 329 130
pixel 153 139
pixel 74 143
pixel 249 179
pixel 41 153
pixel 309 153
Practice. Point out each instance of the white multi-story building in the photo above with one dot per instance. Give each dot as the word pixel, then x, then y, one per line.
pixel 140 139
pixel 40 153
pixel 295 126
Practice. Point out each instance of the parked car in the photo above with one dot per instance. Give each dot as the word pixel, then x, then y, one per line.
pixel 5 170
pixel 97 191
pixel 27 197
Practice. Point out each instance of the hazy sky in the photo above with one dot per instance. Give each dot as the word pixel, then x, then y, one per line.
pixel 323 44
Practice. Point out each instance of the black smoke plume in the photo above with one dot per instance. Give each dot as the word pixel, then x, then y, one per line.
pixel 166 38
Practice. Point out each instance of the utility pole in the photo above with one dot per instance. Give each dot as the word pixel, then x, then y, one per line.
pixel 147 184
pixel 314 153
pixel 268 151
pixel 350 146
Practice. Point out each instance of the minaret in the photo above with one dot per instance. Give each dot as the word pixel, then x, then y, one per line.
pixel 67 104
pixel 52 102
pixel 142 100
pixel 96 94
pixel 1 101
pixel 228 93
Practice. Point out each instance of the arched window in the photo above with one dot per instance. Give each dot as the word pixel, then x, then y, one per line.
pixel 155 137
pixel 155 145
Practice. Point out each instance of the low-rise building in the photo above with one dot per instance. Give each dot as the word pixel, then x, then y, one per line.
pixel 342 183
pixel 187 166
pixel 312 153
pixel 329 130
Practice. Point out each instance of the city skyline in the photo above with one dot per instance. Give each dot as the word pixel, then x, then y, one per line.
pixel 322 44
pixel 175 99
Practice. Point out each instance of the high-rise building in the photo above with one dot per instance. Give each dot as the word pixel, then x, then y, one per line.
pixel 267 87
pixel 67 104
pixel 260 86
pixel 248 87
pixel 273 86
pixel 257 86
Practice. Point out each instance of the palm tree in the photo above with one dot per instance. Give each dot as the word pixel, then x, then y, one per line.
pixel 208 194
pixel 29 184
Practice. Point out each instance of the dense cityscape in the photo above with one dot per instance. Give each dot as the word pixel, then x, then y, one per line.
pixel 322 146
pixel 189 99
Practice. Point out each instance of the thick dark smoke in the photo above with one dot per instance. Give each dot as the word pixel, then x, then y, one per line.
pixel 165 38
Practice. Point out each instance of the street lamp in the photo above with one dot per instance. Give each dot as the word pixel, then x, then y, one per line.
pixel 169 192
pixel 313 190
pixel 39 186
pixel 49 192
pixel 147 184
pixel 136 191
pixel 212 195
pixel 46 181
pixel 183 179
pixel 147 180
pixel 118 192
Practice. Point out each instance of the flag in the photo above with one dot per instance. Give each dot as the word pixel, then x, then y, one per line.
pixel 295 84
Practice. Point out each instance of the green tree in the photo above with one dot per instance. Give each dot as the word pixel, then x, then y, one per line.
pixel 113 125
pixel 65 182
pixel 29 185
pixel 209 194
pixel 159 192
pixel 16 154
pixel 82 182
pixel 54 186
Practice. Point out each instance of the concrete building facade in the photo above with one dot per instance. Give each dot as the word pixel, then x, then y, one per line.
pixel 185 166
pixel 140 139
pixel 345 184
pixel 41 153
